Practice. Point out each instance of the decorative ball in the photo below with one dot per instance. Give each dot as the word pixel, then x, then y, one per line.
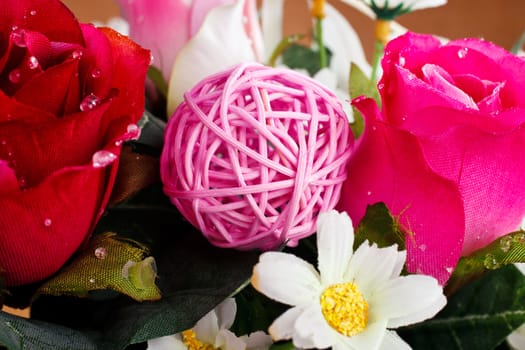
pixel 254 154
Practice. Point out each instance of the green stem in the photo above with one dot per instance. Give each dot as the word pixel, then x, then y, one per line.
pixel 378 53
pixel 323 62
pixel 283 45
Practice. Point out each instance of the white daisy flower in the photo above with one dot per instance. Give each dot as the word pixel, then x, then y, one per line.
pixel 212 332
pixel 354 299
pixel 389 9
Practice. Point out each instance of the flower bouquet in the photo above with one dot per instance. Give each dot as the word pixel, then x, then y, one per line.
pixel 203 182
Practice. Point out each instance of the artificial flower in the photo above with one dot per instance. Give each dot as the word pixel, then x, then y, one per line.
pixel 70 94
pixel 355 298
pixel 389 9
pixel 450 129
pixel 212 332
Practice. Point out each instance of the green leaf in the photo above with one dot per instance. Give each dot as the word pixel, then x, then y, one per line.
pixel 193 277
pixel 508 249
pixel 361 85
pixel 380 227
pixel 480 316
pixel 302 57
pixel 120 266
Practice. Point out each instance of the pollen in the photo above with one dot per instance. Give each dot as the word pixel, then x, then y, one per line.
pixel 344 308
pixel 189 338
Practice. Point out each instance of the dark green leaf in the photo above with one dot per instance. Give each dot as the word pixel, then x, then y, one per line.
pixel 380 227
pixel 151 138
pixel 193 278
pixel 480 316
pixel 301 57
pixel 361 85
pixel 156 76
pixel 18 333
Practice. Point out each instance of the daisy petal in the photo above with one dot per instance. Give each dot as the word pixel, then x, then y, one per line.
pixel 372 266
pixel 227 340
pixel 257 341
pixel 335 239
pixel 408 299
pixel 392 341
pixel 207 328
pixel 286 279
pixel 169 342
pixel 369 339
pixel 312 330
pixel 283 326
pixel 226 313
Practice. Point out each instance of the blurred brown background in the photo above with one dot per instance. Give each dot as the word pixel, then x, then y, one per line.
pixel 500 21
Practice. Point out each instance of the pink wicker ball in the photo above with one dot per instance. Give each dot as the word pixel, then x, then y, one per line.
pixel 254 154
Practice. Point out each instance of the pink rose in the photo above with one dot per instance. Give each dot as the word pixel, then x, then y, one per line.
pixel 446 152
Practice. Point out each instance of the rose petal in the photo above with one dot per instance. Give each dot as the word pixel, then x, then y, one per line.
pixel 49 222
pixel 400 177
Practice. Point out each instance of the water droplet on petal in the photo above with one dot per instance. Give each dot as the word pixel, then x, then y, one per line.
pixel 14 76
pixel 95 73
pixel 32 62
pixel 118 143
pixel 381 86
pixel 505 243
pixel 77 54
pixel 490 262
pixel 402 61
pixel 32 12
pixel 449 269
pixel 89 102
pixel 132 128
pixel 18 36
pixel 47 222
pixel 422 247
pixel 100 253
pixel 151 59
pixel 462 52
pixel 369 193
pixel 102 158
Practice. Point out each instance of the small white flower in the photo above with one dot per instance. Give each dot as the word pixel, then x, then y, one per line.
pixel 212 332
pixel 354 299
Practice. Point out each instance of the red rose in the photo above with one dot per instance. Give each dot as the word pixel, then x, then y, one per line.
pixel 69 95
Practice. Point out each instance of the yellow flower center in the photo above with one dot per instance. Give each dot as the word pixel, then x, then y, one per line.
pixel 344 308
pixel 189 338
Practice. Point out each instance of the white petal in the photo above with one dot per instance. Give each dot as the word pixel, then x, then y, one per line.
pixel 206 328
pixel 517 338
pixel 283 326
pixel 407 300
pixel 346 47
pixel 170 342
pixel 372 266
pixel 335 239
pixel 257 341
pixel 220 43
pixel 369 339
pixel 272 20
pixel 392 341
pixel 226 313
pixel 286 279
pixel 421 4
pixel 312 330
pixel 227 340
